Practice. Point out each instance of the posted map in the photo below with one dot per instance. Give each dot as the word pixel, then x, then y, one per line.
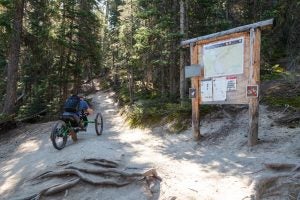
pixel 224 58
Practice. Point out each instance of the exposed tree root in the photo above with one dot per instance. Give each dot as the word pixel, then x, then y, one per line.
pixel 151 172
pixel 102 162
pixel 53 189
pixel 91 176
pixel 57 188
pixel 282 184
pixel 280 166
pixel 77 173
pixel 296 169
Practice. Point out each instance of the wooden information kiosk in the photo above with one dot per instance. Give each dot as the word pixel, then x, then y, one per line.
pixel 225 69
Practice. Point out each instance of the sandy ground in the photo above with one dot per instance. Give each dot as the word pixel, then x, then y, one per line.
pixel 221 167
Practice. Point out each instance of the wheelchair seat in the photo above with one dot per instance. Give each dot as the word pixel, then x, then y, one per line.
pixel 71 118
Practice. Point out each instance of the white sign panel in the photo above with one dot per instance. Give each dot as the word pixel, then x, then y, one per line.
pixel 214 89
pixel 219 89
pixel 206 90
pixel 224 58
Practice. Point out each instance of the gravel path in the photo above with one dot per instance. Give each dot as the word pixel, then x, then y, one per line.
pixel 220 167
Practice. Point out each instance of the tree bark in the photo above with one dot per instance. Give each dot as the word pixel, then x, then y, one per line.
pixel 130 70
pixel 130 84
pixel 181 59
pixel 13 59
pixel 173 62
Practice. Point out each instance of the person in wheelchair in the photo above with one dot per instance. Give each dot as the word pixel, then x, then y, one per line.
pixel 76 110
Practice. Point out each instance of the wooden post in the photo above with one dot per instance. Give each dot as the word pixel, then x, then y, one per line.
pixel 254 79
pixel 196 100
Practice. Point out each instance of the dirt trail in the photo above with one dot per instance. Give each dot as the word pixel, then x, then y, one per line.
pixel 220 167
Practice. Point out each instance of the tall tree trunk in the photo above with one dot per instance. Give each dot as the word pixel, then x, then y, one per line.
pixel 148 72
pixel 162 80
pixel 173 64
pixel 115 69
pixel 81 20
pixel 62 58
pixel 181 59
pixel 130 70
pixel 13 59
pixel 130 84
pixel 255 11
pixel 107 8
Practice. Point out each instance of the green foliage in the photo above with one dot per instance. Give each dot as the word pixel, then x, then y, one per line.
pixel 146 113
pixel 5 118
pixel 67 42
pixel 272 73
pixel 2 79
pixel 61 48
pixel 123 95
pixel 30 109
pixel 281 101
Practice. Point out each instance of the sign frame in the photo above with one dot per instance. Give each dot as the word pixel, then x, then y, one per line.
pixel 250 75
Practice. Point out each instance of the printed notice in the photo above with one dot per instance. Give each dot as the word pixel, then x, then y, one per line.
pixel 231 83
pixel 224 58
pixel 219 89
pixel 206 90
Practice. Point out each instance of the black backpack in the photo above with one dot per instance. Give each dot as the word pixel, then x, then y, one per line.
pixel 72 104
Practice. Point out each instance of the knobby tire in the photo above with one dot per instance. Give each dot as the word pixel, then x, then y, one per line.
pixel 56 132
pixel 99 124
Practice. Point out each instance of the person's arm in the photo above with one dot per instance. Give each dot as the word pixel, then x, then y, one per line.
pixel 90 111
pixel 86 107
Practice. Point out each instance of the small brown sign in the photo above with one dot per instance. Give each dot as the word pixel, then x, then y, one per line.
pixel 252 91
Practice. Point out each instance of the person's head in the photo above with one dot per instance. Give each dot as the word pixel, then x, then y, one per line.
pixel 74 91
pixel 80 95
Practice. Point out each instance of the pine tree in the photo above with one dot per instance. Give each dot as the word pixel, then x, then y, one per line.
pixel 13 58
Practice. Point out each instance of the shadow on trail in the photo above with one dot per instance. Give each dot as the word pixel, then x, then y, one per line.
pixel 189 169
pixel 221 158
pixel 31 153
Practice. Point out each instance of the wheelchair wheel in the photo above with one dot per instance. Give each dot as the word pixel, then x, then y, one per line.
pixel 59 135
pixel 99 123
